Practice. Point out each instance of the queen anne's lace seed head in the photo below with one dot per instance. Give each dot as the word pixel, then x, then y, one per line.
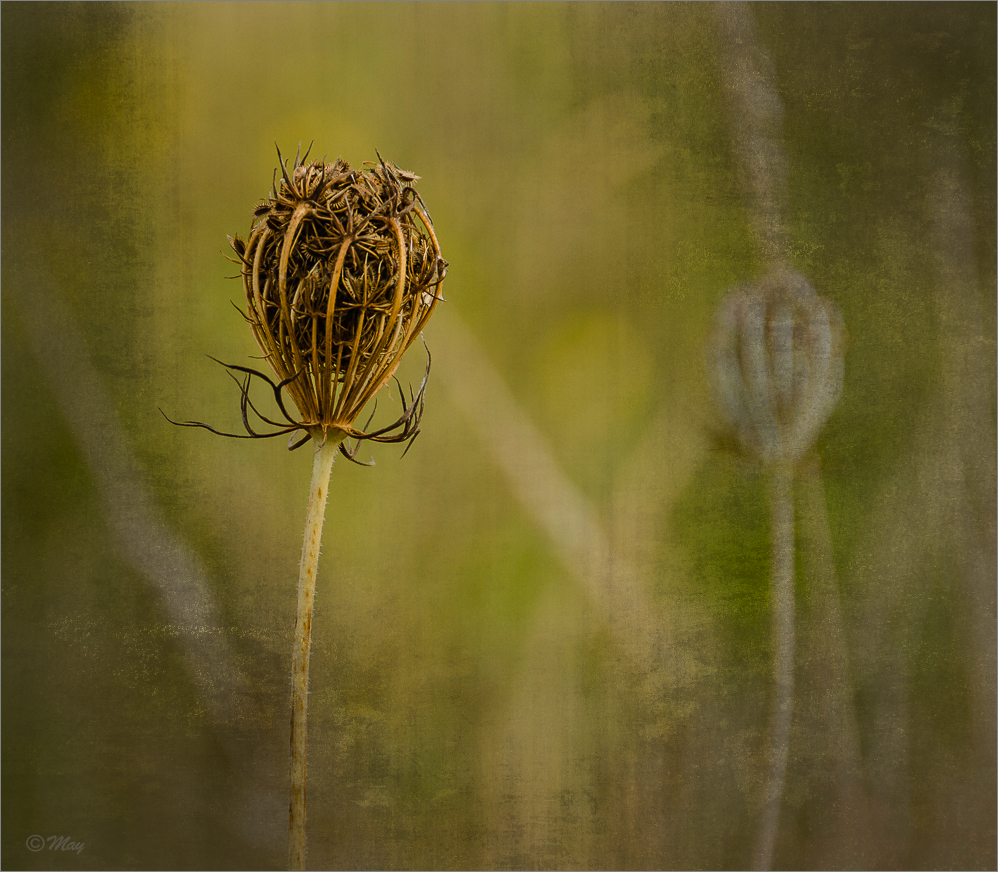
pixel 777 365
pixel 341 271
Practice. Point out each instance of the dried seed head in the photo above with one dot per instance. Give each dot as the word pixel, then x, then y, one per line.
pixel 777 364
pixel 341 270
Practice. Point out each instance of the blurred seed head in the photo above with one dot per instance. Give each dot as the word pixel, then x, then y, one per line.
pixel 776 361
pixel 341 270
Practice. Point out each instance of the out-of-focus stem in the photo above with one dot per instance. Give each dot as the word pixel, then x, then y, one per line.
pixel 782 593
pixel 756 130
pixel 548 495
pixel 322 466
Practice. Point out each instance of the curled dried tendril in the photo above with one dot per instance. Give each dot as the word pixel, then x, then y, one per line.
pixel 340 271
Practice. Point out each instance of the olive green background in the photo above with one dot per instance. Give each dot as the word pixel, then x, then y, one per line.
pixel 473 705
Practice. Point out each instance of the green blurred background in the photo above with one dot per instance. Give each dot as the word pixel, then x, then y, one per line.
pixel 542 638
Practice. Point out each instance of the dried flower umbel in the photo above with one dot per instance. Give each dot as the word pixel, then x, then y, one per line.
pixel 341 270
pixel 777 365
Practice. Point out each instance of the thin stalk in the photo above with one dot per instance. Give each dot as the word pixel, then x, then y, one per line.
pixel 325 454
pixel 782 592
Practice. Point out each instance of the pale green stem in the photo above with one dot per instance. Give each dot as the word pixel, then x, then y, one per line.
pixel 782 593
pixel 322 465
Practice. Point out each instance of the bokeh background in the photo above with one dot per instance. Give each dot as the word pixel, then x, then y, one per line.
pixel 542 638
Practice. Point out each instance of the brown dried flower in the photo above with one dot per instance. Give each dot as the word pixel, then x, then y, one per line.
pixel 341 271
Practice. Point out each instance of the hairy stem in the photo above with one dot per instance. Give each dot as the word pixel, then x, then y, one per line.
pixel 325 453
pixel 782 592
